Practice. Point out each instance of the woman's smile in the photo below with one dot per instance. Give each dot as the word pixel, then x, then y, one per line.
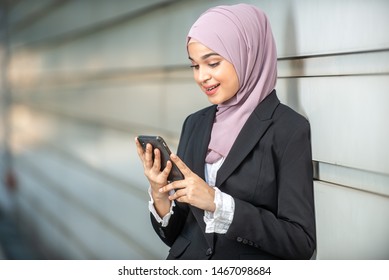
pixel 211 90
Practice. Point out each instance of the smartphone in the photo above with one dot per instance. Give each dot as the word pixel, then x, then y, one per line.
pixel 159 143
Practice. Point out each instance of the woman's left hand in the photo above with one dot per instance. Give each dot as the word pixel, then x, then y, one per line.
pixel 192 190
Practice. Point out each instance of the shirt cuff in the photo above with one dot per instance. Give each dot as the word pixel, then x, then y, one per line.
pixel 165 220
pixel 220 220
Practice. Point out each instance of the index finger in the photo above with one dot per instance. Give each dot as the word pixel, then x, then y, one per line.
pixel 142 151
pixel 139 148
pixel 181 165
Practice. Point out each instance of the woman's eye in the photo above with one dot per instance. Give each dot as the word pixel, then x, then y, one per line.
pixel 193 66
pixel 213 65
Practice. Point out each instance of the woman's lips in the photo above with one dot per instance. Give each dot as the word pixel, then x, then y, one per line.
pixel 211 90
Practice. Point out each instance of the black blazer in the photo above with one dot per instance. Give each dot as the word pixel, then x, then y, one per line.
pixel 268 172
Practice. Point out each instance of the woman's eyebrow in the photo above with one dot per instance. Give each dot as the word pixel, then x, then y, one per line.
pixel 206 56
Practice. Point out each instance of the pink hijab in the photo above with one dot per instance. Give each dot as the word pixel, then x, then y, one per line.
pixel 242 35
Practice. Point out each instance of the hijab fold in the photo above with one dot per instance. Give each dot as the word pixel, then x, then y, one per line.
pixel 242 35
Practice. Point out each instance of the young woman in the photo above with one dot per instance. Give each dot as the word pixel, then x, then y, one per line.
pixel 248 188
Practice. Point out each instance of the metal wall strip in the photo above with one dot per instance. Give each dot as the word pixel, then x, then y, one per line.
pixel 28 166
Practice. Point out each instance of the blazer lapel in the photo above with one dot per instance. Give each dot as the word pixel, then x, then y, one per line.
pixel 251 133
pixel 202 133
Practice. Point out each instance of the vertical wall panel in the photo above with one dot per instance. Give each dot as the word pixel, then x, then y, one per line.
pixel 351 223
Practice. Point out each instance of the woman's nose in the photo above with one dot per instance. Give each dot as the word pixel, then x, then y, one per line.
pixel 204 76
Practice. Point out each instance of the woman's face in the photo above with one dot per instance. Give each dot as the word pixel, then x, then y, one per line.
pixel 216 76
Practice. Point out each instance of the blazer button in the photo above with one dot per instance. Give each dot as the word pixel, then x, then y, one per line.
pixel 209 252
pixel 239 239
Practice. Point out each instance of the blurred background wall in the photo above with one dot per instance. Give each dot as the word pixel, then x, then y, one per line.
pixel 80 79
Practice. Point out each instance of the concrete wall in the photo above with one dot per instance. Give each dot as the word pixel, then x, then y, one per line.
pixel 83 78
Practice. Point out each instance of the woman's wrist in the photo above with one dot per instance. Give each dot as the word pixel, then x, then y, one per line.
pixel 212 207
pixel 161 203
pixel 158 196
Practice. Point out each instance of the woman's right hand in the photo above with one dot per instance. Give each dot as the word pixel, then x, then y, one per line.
pixel 152 170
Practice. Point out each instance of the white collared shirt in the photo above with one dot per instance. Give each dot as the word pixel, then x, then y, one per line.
pixel 218 221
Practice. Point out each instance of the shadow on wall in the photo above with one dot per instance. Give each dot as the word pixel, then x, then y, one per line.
pixel 291 48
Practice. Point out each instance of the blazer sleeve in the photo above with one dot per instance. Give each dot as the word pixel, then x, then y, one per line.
pixel 169 233
pixel 288 232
